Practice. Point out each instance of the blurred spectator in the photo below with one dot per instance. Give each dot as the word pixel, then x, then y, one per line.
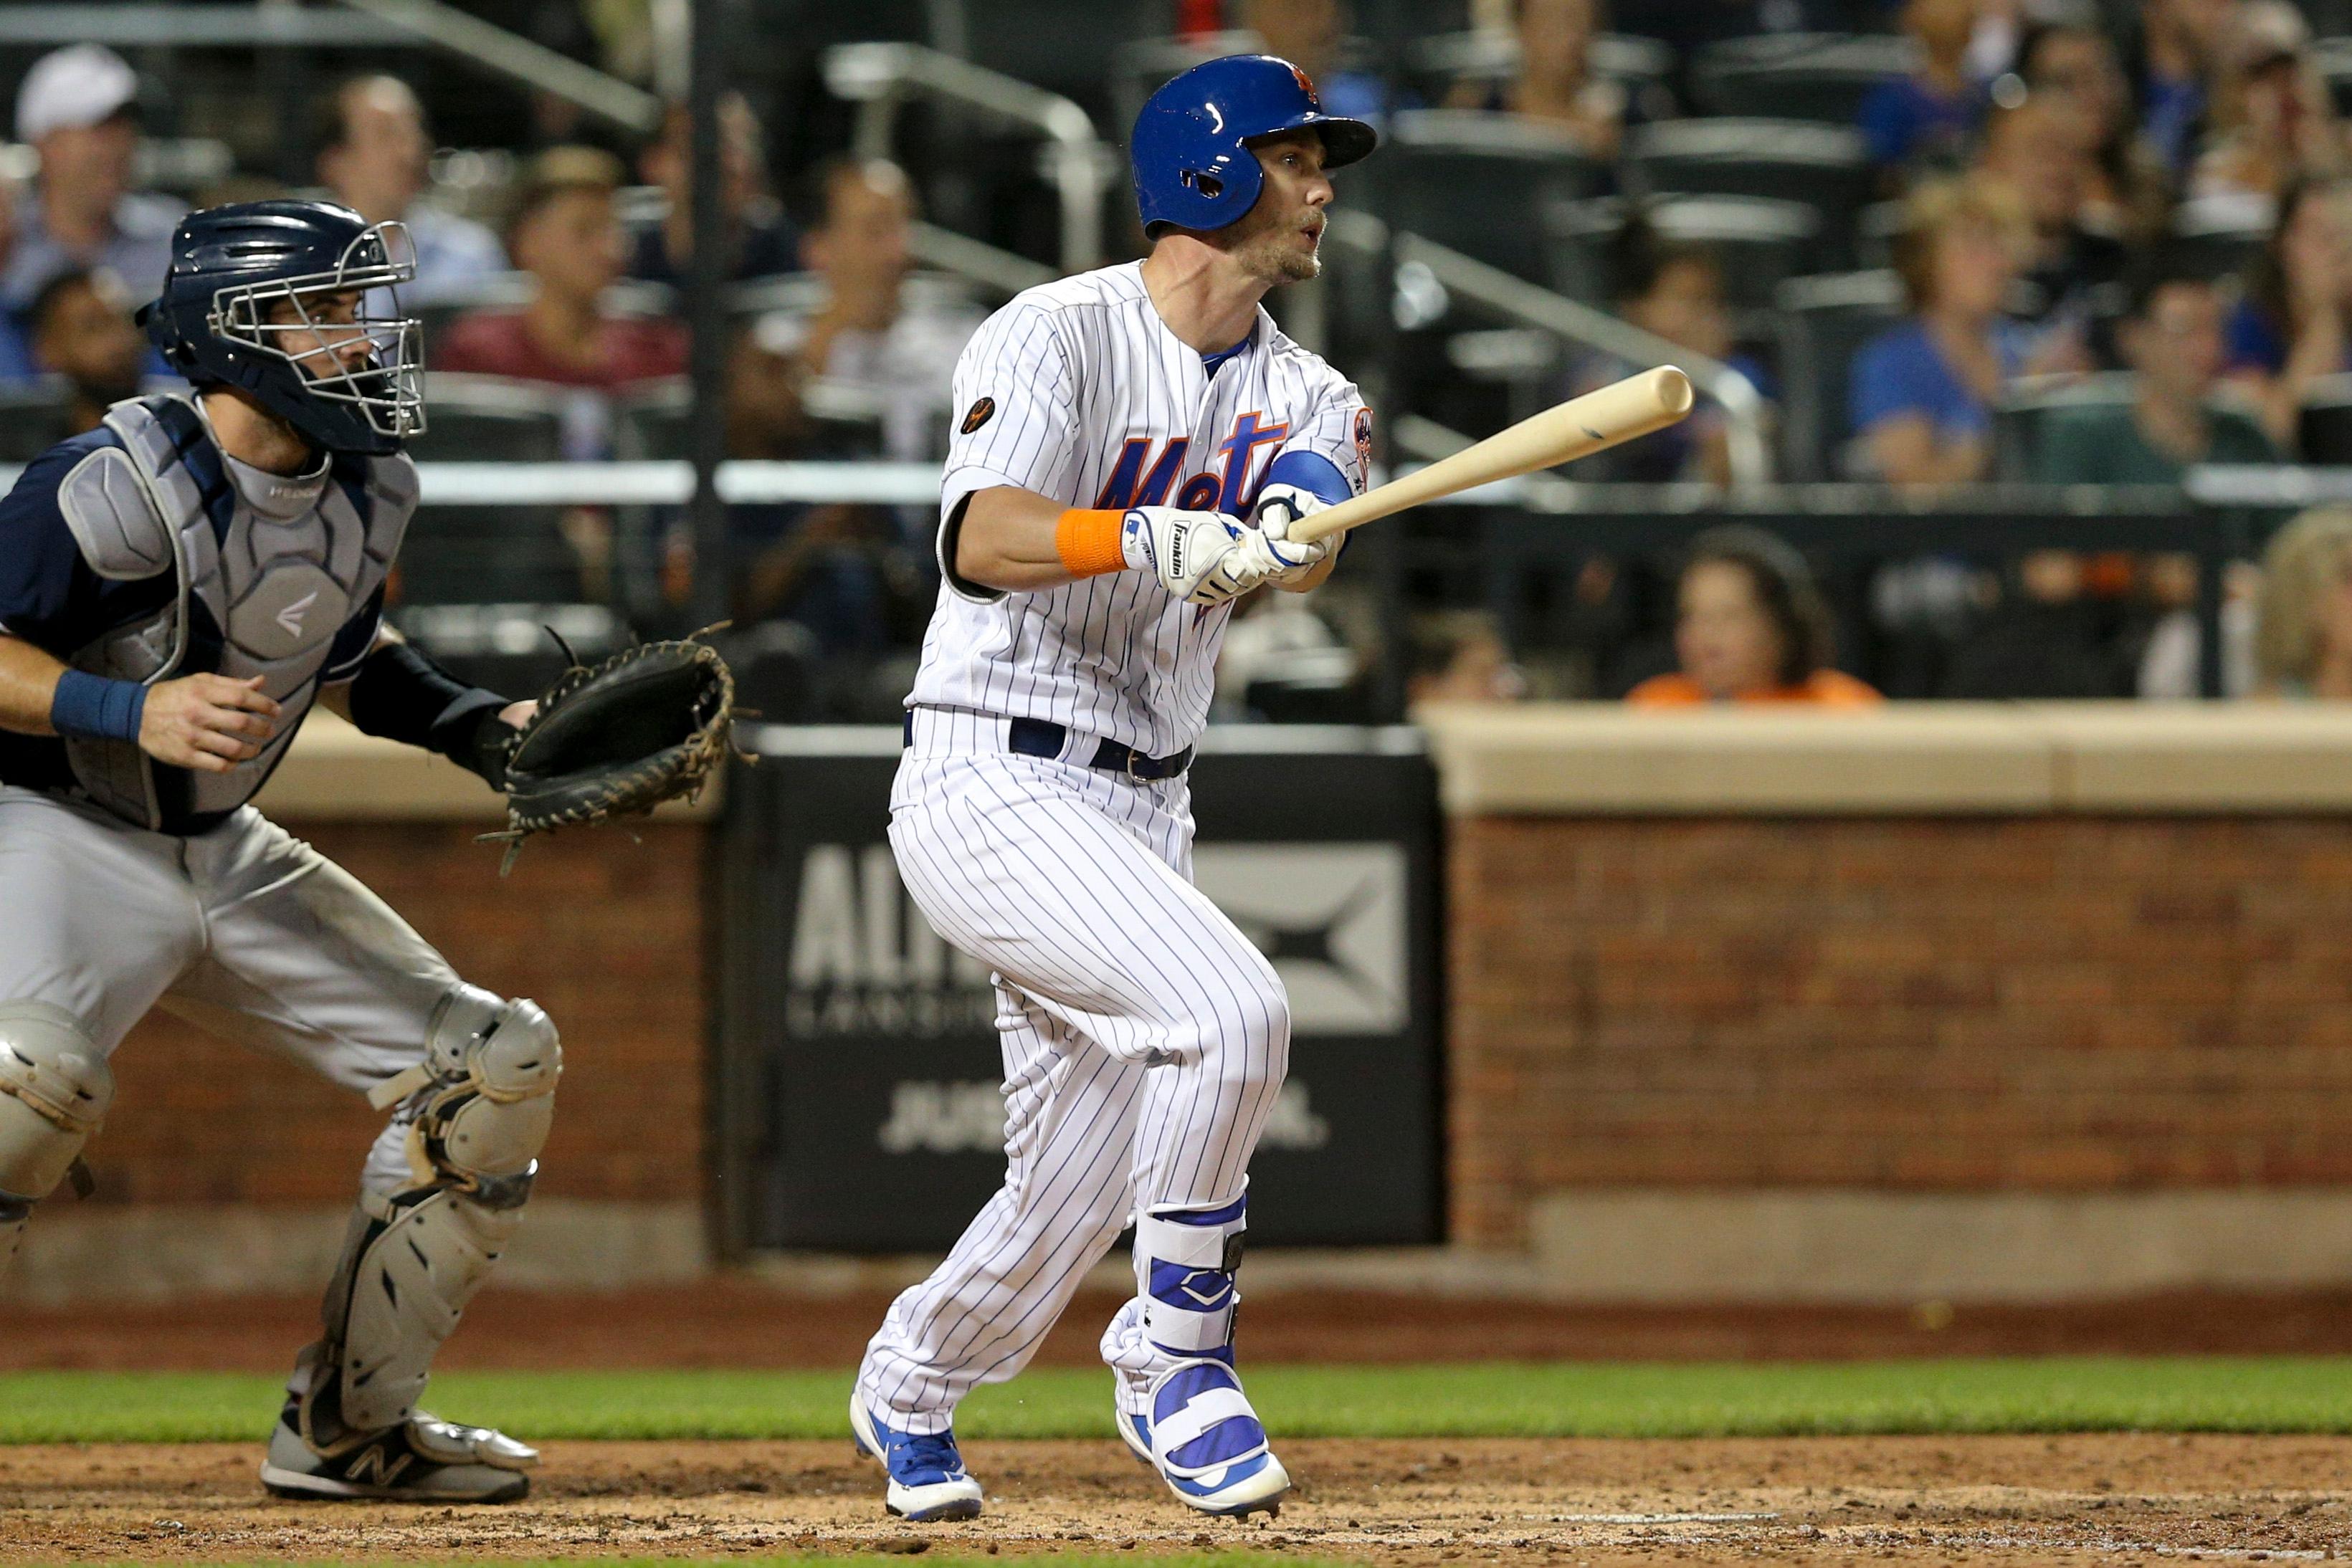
pixel 15 353
pixel 1555 81
pixel 2169 664
pixel 1282 662
pixel 1750 627
pixel 1310 34
pixel 2303 640
pixel 1459 656
pixel 844 571
pixel 374 159
pixel 566 235
pixel 81 330
pixel 1675 290
pixel 2050 638
pixel 1926 118
pixel 2071 68
pixel 2170 337
pixel 760 240
pixel 2289 330
pixel 2272 121
pixel 1923 391
pixel 79 109
pixel 2182 45
pixel 866 334
pixel 2067 265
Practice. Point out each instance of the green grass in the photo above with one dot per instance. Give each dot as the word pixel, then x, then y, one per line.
pixel 2221 1393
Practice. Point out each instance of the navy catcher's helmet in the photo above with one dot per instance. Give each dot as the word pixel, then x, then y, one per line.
pixel 1194 168
pixel 219 319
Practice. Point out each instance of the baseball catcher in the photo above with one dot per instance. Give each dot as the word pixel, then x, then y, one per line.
pixel 178 587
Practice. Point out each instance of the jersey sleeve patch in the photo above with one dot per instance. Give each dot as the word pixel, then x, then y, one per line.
pixel 980 414
pixel 111 518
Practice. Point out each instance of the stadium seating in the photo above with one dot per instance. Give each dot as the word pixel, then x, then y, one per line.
pixel 478 554
pixel 1820 77
pixel 2324 434
pixel 1761 242
pixel 2019 421
pixel 1823 166
pixel 33 418
pixel 1436 62
pixel 1472 181
pixel 1821 322
pixel 2220 239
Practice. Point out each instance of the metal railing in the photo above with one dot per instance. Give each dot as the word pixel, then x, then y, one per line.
pixel 967 257
pixel 880 78
pixel 1515 299
pixel 518 58
pixel 196 26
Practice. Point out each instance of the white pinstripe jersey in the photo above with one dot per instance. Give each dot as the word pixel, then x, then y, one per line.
pixel 1077 391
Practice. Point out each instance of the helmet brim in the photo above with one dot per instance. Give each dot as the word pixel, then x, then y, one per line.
pixel 1345 141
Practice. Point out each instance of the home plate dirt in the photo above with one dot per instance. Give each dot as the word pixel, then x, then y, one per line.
pixel 1940 1499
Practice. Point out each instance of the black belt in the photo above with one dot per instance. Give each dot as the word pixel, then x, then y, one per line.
pixel 1043 738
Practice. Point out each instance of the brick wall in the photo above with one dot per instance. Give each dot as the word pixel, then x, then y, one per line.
pixel 602 930
pixel 2057 1003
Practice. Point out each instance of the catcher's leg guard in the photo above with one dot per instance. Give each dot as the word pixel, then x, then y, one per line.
pixel 478 1110
pixel 1180 1404
pixel 55 1087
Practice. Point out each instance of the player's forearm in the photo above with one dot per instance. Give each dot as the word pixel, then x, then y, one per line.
pixel 28 686
pixel 1009 540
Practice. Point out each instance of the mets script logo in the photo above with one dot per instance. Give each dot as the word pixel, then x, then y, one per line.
pixel 980 414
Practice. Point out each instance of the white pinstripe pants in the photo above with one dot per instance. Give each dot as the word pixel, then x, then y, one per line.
pixel 1144 1037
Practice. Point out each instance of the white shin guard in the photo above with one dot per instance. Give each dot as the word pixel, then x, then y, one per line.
pixel 478 1110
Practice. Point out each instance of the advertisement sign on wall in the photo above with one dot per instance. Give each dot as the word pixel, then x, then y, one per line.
pixel 857 1099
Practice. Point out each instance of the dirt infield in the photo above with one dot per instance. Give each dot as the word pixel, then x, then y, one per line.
pixel 1815 1501
pixel 732 1321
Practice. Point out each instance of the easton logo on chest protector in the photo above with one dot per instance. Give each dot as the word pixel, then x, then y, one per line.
pixel 260 594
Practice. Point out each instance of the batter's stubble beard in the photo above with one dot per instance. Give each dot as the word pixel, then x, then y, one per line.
pixel 1268 249
pixel 1275 259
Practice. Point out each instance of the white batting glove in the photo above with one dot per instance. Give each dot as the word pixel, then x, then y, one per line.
pixel 1278 506
pixel 1192 553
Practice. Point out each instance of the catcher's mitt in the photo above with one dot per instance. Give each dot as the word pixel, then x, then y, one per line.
pixel 615 740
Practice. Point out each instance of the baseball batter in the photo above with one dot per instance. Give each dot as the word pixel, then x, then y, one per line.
pixel 177 588
pixel 1133 446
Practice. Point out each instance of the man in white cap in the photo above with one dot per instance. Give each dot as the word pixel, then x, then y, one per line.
pixel 78 110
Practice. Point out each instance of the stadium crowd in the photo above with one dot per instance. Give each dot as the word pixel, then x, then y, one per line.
pixel 2111 244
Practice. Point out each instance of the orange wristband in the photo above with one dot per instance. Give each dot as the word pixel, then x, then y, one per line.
pixel 1088 542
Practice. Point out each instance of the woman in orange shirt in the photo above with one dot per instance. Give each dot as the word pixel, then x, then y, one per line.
pixel 1750 627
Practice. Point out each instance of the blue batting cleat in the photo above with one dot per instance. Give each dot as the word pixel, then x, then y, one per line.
pixel 1202 1437
pixel 927 1474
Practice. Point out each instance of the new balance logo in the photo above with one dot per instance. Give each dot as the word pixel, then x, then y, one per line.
pixel 378 1467
pixel 291 616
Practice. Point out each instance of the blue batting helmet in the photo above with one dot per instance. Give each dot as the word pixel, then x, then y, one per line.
pixel 240 308
pixel 1193 169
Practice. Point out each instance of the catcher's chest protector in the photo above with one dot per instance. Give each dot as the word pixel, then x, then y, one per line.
pixel 268 572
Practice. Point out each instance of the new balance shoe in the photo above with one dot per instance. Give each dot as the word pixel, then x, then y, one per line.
pixel 927 1475
pixel 1193 1424
pixel 421 1461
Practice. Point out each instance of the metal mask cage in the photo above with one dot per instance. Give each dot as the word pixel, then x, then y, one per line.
pixel 387 386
